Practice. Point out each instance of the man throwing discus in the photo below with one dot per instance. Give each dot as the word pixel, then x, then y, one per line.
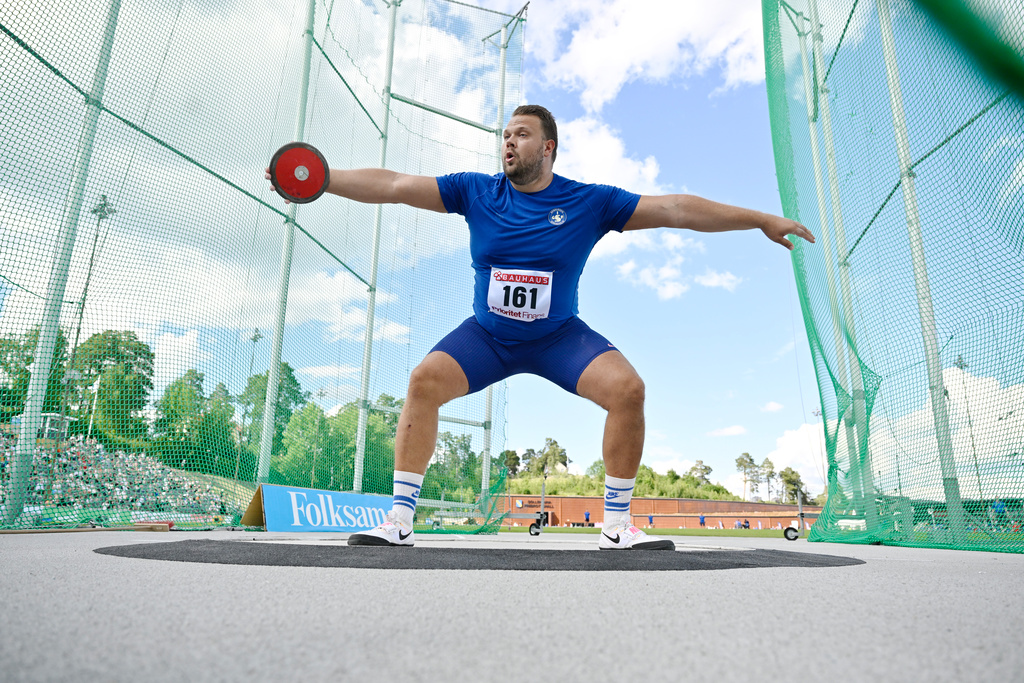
pixel 531 232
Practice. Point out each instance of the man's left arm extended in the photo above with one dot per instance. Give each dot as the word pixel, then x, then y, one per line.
pixel 691 212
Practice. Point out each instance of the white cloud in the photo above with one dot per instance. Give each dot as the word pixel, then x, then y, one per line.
pixel 735 430
pixel 173 355
pixel 786 348
pixel 986 422
pixel 625 270
pixel 665 277
pixel 801 449
pixel 662 457
pixel 350 324
pixel 1014 182
pixel 771 407
pixel 726 281
pixel 734 484
pixel 329 371
pixel 657 241
pixel 597 47
pixel 592 152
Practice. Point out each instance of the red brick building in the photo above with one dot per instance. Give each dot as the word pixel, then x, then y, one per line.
pixel 668 513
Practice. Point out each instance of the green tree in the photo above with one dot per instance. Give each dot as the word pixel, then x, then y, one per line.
pixel 526 460
pixel 745 465
pixel 550 457
pixel 216 431
pixel 458 458
pixel 17 353
pixel 390 419
pixel 341 448
pixel 180 406
pixel 793 485
pixel 450 472
pixel 700 472
pixel 511 460
pixel 290 397
pixel 304 461
pixel 646 482
pixel 379 455
pixel 755 478
pixel 768 474
pixel 192 431
pixel 123 366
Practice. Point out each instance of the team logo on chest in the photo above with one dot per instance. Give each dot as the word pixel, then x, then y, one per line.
pixel 557 217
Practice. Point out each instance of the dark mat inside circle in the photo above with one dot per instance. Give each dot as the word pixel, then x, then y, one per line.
pixel 368 557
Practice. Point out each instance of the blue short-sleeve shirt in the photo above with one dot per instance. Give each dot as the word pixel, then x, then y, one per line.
pixel 529 249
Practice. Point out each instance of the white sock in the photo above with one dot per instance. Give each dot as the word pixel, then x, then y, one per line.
pixel 406 493
pixel 617 496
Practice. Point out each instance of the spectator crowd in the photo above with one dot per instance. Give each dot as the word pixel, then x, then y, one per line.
pixel 82 474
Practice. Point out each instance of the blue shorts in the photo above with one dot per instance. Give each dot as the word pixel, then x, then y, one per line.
pixel 561 356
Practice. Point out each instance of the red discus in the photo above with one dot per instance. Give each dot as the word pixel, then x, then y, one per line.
pixel 299 172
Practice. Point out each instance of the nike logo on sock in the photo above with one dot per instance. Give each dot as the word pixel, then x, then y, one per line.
pixel 613 540
pixel 402 537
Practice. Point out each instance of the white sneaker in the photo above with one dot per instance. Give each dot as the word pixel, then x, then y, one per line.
pixel 391 532
pixel 628 537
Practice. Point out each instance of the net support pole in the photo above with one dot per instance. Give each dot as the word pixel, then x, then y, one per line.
pixel 31 419
pixel 485 477
pixel 841 367
pixel 284 274
pixel 371 303
pixel 860 418
pixel 933 363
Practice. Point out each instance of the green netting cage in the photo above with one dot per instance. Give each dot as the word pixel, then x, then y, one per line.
pixel 899 140
pixel 156 297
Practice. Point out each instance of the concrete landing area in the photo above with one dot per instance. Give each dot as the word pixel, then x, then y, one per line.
pixel 101 607
pixel 336 554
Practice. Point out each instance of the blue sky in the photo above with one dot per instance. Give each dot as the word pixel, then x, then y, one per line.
pixel 710 321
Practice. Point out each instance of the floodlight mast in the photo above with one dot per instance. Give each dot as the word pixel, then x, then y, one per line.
pixel 284 274
pixel 31 420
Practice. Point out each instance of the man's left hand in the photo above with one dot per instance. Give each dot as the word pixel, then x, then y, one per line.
pixel 777 228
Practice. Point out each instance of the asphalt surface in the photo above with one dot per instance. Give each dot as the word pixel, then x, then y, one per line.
pixel 174 610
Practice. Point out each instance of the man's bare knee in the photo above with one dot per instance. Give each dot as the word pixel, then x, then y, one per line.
pixel 436 380
pixel 632 392
pixel 424 384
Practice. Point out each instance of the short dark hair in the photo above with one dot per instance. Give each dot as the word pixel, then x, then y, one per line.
pixel 548 127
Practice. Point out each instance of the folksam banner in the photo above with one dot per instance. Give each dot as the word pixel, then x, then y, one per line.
pixel 290 508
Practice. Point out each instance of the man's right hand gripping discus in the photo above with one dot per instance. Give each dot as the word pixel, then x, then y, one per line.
pixel 299 172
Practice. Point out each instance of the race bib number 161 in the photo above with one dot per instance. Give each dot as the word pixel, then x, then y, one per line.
pixel 519 294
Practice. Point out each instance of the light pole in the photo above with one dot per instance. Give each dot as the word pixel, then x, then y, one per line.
pixel 95 399
pixel 256 336
pixel 107 362
pixel 961 365
pixel 102 211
